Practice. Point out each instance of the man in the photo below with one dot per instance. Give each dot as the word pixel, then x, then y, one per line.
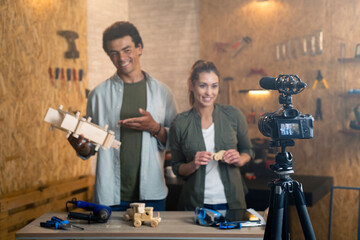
pixel 144 109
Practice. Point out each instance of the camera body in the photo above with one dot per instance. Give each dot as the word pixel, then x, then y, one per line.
pixel 286 124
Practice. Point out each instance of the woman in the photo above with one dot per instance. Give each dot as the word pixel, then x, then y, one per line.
pixel 203 130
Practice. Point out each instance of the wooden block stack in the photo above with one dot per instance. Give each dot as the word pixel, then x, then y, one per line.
pixel 19 208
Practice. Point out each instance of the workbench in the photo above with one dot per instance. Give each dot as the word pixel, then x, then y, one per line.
pixel 173 225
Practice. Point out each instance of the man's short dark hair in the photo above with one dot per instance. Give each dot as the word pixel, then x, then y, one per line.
pixel 119 30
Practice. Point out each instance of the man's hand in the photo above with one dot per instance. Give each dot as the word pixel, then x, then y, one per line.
pixel 81 145
pixel 143 123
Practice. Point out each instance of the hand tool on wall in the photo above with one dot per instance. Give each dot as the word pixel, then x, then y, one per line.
pixel 75 80
pixel 57 74
pixel 70 37
pixel 320 78
pixel 318 113
pixel 254 71
pixel 313 46
pixel 251 116
pixel 320 38
pixel 277 52
pixel 240 45
pixel 304 46
pixel 355 124
pixel 68 75
pixel 62 77
pixel 100 213
pixel 357 51
pixel 229 80
pixel 283 51
pixel 81 75
pixel 51 76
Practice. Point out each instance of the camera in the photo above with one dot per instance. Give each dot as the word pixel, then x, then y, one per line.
pixel 287 123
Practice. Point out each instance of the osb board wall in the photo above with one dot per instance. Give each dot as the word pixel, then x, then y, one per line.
pixel 279 22
pixel 30 154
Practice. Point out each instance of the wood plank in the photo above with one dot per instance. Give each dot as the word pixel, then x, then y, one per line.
pixel 49 191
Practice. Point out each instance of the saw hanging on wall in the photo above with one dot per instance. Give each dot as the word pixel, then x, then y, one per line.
pixel 240 45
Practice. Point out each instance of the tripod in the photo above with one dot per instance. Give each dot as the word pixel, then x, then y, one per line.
pixel 277 226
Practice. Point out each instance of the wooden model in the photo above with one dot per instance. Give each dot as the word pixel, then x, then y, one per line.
pixel 219 156
pixel 71 124
pixel 138 213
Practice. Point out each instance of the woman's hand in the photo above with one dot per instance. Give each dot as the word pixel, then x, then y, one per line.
pixel 202 158
pixel 232 156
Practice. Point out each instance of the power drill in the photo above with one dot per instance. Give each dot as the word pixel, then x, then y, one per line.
pixel 100 213
pixel 70 37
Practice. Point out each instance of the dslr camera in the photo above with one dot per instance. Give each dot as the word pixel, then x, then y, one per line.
pixel 286 123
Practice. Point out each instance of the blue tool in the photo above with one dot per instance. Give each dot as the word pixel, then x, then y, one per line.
pixel 100 213
pixel 52 224
pixel 65 223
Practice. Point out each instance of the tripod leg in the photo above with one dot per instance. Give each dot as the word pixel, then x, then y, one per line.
pixel 302 211
pixel 267 233
pixel 286 228
pixel 278 213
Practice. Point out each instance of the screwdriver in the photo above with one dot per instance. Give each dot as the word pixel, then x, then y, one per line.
pixel 65 223
pixel 68 74
pixel 81 74
pixel 57 73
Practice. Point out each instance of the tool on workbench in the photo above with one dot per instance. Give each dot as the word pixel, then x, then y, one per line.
pixel 52 224
pixel 100 213
pixel 65 223
pixel 57 74
pixel 320 78
pixel 58 223
pixel 355 124
pixel 68 75
pixel 318 113
pixel 240 45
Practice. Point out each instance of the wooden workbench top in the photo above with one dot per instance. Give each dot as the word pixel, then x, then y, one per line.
pixel 173 225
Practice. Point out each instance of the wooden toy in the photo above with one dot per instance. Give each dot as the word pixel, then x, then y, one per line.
pixel 138 213
pixel 219 156
pixel 71 124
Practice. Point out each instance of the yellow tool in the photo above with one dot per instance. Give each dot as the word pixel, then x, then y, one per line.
pixel 320 78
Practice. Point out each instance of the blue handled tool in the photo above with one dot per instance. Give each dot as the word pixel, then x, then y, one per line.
pixel 65 223
pixel 52 224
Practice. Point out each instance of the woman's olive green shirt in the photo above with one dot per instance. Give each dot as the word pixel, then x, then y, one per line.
pixel 186 139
